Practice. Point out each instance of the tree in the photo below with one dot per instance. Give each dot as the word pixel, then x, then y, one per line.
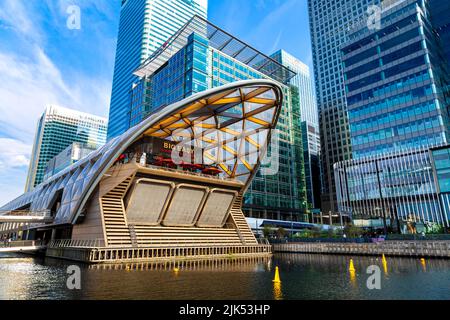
pixel 281 232
pixel 352 231
pixel 266 231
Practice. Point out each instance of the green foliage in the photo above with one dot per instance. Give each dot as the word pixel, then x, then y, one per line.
pixel 353 232
pixel 281 232
pixel 267 230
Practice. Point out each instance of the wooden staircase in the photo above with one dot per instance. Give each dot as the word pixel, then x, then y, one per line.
pixel 119 233
pixel 237 216
pixel 180 236
pixel 116 228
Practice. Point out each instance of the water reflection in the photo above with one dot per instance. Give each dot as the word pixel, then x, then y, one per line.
pixel 277 294
pixel 424 264
pixel 303 277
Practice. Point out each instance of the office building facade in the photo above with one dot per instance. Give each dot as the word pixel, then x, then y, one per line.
pixel 202 56
pixel 397 82
pixel 408 189
pixel 397 88
pixel 145 26
pixel 58 128
pixel 329 23
pixel 301 86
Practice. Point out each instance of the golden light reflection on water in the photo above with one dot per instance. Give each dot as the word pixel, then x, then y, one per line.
pixel 385 267
pixel 277 293
pixel 423 264
pixel 303 276
pixel 352 277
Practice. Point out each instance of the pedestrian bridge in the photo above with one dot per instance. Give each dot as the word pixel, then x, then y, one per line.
pixel 22 246
pixel 25 216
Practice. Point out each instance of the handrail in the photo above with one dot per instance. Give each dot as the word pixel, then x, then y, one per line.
pixel 38 213
pixel 99 243
pixel 22 243
pixel 76 243
pixel 190 173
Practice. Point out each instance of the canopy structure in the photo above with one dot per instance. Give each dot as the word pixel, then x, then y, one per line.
pixel 218 39
pixel 231 124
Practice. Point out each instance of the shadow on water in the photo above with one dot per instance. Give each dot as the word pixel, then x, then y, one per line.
pixel 303 276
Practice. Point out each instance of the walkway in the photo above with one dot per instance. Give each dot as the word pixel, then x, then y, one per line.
pixel 22 246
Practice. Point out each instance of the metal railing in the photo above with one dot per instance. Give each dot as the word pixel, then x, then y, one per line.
pixel 191 241
pixel 22 243
pixel 392 248
pixel 37 213
pixel 190 173
pixel 88 243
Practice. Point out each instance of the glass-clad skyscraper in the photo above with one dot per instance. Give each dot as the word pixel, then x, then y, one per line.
pixel 145 25
pixel 397 82
pixel 202 56
pixel 57 129
pixel 303 81
pixel 305 118
pixel 329 23
pixel 398 97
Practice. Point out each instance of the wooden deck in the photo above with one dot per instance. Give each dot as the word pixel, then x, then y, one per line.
pixel 157 253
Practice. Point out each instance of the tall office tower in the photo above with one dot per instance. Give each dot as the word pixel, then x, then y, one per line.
pixel 440 12
pixel 202 56
pixel 306 120
pixel 398 96
pixel 304 83
pixel 56 130
pixel 397 82
pixel 329 24
pixel 145 26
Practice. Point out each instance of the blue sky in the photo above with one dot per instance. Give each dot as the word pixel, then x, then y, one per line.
pixel 42 62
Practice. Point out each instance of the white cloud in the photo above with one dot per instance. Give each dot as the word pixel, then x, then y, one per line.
pixel 13 154
pixel 29 81
pixel 27 86
pixel 14 159
pixel 16 14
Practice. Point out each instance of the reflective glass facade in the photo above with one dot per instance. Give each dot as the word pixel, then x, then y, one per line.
pixel 307 118
pixel 144 26
pixel 199 66
pixel 395 83
pixel 441 159
pixel 330 22
pixel 406 187
pixel 56 130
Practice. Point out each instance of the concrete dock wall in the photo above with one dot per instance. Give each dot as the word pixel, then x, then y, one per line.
pixel 438 249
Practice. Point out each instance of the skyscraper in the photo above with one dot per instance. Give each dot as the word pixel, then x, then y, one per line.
pixel 145 26
pixel 303 81
pixel 302 86
pixel 202 56
pixel 329 24
pixel 398 99
pixel 397 82
pixel 58 128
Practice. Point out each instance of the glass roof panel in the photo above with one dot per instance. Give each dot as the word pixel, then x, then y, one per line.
pixel 269 94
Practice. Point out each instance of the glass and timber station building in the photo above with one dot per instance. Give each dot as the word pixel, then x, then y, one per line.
pixel 201 56
pixel 209 136
pixel 169 186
